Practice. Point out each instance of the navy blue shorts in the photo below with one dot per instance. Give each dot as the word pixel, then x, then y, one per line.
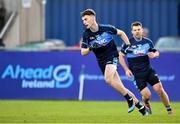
pixel 141 79
pixel 102 64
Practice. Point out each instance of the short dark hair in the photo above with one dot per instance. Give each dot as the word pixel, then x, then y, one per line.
pixel 136 23
pixel 88 12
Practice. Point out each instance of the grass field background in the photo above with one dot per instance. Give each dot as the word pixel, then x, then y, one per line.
pixel 36 111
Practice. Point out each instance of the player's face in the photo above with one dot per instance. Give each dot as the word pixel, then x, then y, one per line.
pixel 137 32
pixel 88 20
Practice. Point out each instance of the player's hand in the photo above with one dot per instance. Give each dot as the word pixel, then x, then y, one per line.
pixel 153 54
pixel 129 74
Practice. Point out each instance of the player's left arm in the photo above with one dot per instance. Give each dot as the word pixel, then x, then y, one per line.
pixel 153 53
pixel 120 33
pixel 123 36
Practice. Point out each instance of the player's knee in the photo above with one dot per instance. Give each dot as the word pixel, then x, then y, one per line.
pixel 160 91
pixel 108 79
pixel 147 95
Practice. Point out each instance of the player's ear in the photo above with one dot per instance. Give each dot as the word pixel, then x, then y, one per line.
pixel 132 31
pixel 94 17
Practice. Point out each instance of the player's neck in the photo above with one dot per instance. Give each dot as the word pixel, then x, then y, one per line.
pixel 138 39
pixel 94 27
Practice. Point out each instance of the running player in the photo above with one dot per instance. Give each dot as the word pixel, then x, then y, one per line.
pixel 140 68
pixel 99 39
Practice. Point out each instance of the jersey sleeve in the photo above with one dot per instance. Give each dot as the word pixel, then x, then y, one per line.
pixel 151 49
pixel 123 47
pixel 151 44
pixel 84 41
pixel 111 29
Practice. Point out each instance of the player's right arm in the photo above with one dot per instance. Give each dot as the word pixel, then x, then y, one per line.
pixel 84 45
pixel 85 51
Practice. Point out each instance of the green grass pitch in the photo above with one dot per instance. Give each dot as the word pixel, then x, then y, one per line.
pixel 57 111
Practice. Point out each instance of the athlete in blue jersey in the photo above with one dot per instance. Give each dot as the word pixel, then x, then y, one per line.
pixel 140 68
pixel 99 39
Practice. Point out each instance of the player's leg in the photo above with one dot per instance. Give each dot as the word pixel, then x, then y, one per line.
pixel 113 79
pixel 139 105
pixel 141 85
pixel 109 71
pixel 157 86
pixel 163 96
pixel 146 95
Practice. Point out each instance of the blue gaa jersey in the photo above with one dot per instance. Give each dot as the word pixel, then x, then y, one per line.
pixel 138 60
pixel 101 42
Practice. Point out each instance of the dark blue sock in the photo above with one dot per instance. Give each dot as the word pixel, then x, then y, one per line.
pixel 168 108
pixel 127 97
pixel 139 105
